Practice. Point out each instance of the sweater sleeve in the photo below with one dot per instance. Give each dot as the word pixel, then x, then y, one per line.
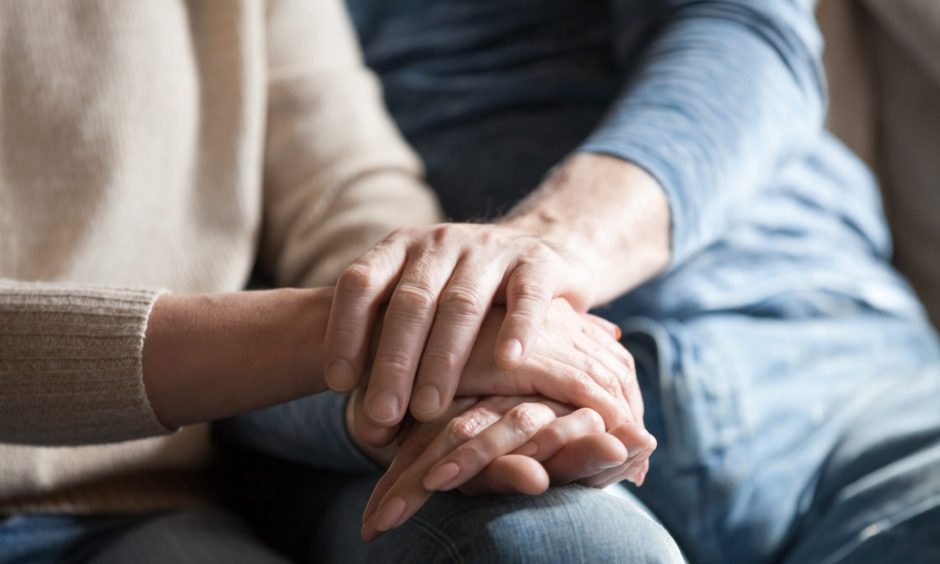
pixel 719 93
pixel 338 175
pixel 70 364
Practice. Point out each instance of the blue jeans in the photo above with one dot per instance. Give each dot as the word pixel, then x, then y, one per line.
pixel 813 440
pixel 182 537
pixel 809 436
pixel 780 441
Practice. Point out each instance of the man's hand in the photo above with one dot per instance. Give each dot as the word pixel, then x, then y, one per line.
pixel 575 360
pixel 440 282
pixel 496 446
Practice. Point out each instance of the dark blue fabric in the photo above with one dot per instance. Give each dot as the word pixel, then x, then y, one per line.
pixel 722 101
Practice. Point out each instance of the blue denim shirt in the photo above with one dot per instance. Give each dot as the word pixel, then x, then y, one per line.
pixel 723 102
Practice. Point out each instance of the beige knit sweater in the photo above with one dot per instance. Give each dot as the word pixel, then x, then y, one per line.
pixel 164 144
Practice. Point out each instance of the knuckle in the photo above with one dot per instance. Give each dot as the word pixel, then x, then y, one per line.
pixel 612 383
pixel 393 363
pixel 441 360
pixel 441 233
pixel 414 297
pixel 357 278
pixel 462 302
pixel 465 427
pixel 592 419
pixel 581 384
pixel 400 233
pixel 488 237
pixel 530 291
pixel 524 418
pixel 473 450
pixel 341 332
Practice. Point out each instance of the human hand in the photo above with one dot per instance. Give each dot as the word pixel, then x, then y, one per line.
pixel 496 446
pixel 440 282
pixel 576 360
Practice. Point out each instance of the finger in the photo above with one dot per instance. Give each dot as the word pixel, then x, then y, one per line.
pixel 464 304
pixel 510 473
pixel 584 457
pixel 407 322
pixel 407 494
pixel 640 446
pixel 367 431
pixel 608 327
pixel 360 289
pixel 572 385
pixel 418 440
pixel 607 369
pixel 605 349
pixel 529 292
pixel 469 459
pixel 555 435
pixel 602 336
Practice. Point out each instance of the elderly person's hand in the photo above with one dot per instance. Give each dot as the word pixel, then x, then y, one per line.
pixel 597 227
pixel 575 360
pixel 440 282
pixel 500 445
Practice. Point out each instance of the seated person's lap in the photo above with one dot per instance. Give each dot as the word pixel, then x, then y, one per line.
pixel 805 440
pixel 799 438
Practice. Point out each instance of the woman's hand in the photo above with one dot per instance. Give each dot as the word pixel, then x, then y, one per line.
pixel 575 360
pixel 500 445
pixel 440 282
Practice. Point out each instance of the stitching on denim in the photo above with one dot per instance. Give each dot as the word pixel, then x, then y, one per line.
pixel 450 547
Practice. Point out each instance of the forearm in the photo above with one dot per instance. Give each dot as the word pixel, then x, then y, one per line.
pixel 207 357
pixel 724 93
pixel 607 215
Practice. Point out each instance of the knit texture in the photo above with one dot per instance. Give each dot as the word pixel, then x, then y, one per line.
pixel 154 145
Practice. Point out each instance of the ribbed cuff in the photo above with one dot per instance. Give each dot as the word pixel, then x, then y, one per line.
pixel 70 364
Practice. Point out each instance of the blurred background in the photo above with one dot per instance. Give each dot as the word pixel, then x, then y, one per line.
pixel 883 62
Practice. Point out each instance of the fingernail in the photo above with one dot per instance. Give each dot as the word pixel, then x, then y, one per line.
pixel 439 477
pixel 389 514
pixel 383 407
pixel 617 332
pixel 339 375
pixel 367 532
pixel 427 399
pixel 511 350
pixel 528 449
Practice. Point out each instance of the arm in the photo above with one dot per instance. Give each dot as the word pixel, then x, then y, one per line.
pixel 81 365
pixel 70 364
pixel 720 94
pixel 723 94
pixel 209 356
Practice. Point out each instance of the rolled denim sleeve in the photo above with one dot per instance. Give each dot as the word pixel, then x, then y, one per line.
pixel 310 431
pixel 717 95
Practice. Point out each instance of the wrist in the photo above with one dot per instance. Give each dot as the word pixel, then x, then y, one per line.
pixel 605 213
pixel 208 356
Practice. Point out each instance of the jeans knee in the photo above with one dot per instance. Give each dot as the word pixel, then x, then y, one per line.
pixel 570 524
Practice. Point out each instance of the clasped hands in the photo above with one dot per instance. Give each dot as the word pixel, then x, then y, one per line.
pixel 471 330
